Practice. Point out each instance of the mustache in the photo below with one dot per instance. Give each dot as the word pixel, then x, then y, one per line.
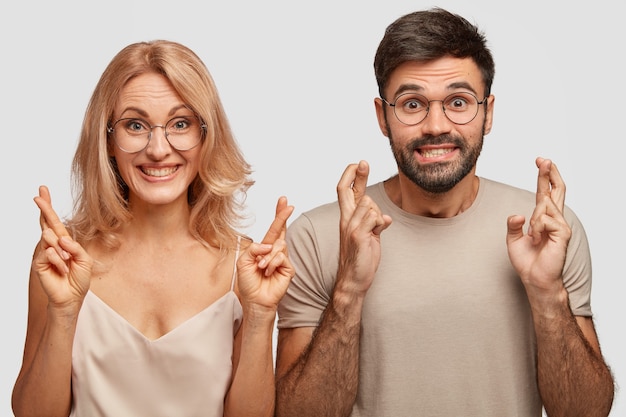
pixel 435 140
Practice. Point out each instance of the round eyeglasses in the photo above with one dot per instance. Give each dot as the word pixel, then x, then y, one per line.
pixel 132 134
pixel 412 108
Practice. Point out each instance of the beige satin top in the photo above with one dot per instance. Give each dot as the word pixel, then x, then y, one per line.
pixel 118 372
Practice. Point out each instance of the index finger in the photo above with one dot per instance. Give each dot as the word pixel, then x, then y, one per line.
pixel 48 218
pixel 352 185
pixel 550 182
pixel 360 180
pixel 278 228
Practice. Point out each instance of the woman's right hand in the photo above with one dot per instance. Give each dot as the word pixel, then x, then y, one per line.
pixel 63 266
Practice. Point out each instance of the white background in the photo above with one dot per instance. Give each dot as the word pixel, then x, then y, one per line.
pixel 297 82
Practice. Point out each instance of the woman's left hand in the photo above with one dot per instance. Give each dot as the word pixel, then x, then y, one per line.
pixel 264 269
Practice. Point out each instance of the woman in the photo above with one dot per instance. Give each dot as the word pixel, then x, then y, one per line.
pixel 147 302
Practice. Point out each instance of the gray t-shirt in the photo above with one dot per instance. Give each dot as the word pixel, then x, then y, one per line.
pixel 446 329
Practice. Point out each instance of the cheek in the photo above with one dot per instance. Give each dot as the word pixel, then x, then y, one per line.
pixel 124 164
pixel 193 161
pixel 475 131
pixel 399 133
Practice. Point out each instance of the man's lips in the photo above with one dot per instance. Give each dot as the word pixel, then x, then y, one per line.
pixel 434 152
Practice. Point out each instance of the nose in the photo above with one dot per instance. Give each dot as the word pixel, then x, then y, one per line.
pixel 436 121
pixel 158 145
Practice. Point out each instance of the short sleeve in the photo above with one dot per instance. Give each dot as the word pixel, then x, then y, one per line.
pixel 313 245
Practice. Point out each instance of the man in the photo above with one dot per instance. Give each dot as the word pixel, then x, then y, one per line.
pixel 475 301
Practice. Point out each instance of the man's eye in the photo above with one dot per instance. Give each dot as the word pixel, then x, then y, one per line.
pixel 412 104
pixel 459 103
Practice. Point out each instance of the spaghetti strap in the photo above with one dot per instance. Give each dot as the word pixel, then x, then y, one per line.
pixel 232 283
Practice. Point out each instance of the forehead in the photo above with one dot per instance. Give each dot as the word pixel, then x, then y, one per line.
pixel 149 92
pixel 438 77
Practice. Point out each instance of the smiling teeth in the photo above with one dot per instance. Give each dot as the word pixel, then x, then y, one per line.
pixel 430 153
pixel 160 172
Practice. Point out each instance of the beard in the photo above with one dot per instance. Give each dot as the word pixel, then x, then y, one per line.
pixel 439 177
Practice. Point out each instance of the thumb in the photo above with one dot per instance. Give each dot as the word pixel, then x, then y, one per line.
pixel 252 253
pixel 515 229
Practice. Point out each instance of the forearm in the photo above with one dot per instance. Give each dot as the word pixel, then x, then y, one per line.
pixel 45 384
pixel 252 391
pixel 572 376
pixel 324 380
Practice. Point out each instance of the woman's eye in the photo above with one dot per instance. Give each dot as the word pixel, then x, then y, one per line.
pixel 181 124
pixel 135 126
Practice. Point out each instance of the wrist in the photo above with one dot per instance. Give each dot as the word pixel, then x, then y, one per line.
pixel 347 303
pixel 259 316
pixel 549 306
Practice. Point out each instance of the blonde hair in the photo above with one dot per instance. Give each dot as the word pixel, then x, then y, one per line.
pixel 217 194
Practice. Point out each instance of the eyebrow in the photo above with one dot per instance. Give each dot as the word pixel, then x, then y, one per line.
pixel 143 113
pixel 459 85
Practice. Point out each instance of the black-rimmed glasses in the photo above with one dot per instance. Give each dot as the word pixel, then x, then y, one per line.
pixel 412 108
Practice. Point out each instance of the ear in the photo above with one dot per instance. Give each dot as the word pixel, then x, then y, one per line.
pixel 489 115
pixel 380 115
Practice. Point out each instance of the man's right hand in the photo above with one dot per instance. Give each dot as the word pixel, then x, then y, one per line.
pixel 361 224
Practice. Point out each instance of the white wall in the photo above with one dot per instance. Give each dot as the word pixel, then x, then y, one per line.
pixel 296 79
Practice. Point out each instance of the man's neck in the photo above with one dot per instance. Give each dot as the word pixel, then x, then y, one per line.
pixel 415 200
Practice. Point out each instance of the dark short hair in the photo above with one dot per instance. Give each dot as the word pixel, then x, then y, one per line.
pixel 427 35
